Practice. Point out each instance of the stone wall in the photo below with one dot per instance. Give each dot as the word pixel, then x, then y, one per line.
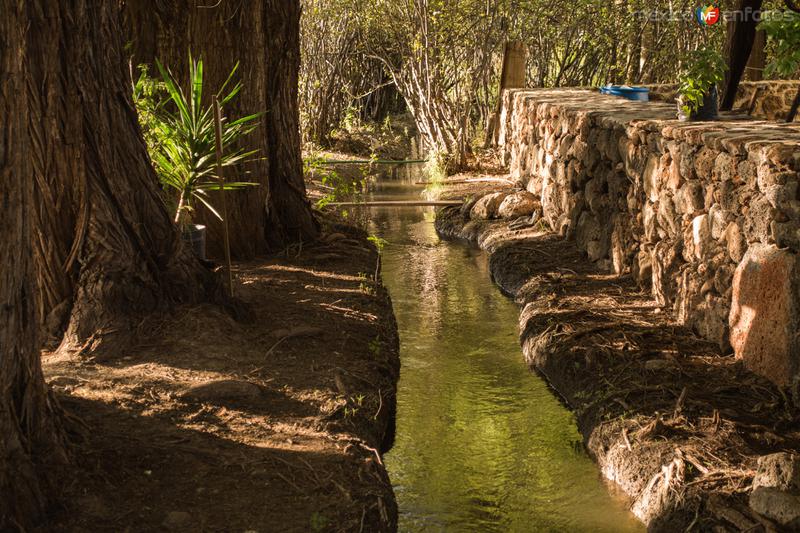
pixel 770 100
pixel 705 215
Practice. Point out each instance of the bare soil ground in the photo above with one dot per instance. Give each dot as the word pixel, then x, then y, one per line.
pixel 212 424
pixel 676 424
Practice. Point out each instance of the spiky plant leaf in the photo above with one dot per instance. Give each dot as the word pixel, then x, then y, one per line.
pixel 182 137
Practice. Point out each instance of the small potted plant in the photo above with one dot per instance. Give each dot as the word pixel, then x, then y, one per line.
pixel 697 92
pixel 180 137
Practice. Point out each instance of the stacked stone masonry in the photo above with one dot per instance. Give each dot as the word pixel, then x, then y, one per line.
pixel 769 100
pixel 705 215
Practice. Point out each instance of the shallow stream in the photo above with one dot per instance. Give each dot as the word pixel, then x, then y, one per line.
pixel 482 444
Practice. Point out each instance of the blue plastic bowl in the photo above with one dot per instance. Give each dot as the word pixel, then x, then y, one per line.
pixel 641 94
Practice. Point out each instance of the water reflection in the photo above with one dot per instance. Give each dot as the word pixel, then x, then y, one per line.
pixel 482 444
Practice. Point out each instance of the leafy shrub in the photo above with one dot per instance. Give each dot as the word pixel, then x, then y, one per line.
pixel 784 31
pixel 705 68
pixel 341 188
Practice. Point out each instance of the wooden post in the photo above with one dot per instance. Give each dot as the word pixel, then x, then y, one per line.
pixel 221 178
pixel 515 59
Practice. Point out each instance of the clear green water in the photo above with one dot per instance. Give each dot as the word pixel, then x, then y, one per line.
pixel 482 444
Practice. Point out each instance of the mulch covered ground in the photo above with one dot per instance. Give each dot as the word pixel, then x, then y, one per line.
pixel 213 424
pixel 670 419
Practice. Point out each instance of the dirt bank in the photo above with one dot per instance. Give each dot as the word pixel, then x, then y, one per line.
pixel 678 426
pixel 277 424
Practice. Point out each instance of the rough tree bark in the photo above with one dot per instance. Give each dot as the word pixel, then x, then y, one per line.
pixel 102 229
pixel 288 210
pixel 30 438
pixel 740 43
pixel 754 71
pixel 263 35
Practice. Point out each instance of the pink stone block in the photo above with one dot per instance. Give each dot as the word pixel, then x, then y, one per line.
pixel 764 313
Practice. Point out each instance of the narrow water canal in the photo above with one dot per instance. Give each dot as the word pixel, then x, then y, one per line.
pixel 482 444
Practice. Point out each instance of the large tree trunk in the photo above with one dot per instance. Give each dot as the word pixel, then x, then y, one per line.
pixel 263 35
pixel 102 229
pixel 288 209
pixel 30 441
pixel 754 71
pixel 741 36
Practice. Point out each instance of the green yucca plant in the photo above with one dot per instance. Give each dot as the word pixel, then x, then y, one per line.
pixel 180 135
